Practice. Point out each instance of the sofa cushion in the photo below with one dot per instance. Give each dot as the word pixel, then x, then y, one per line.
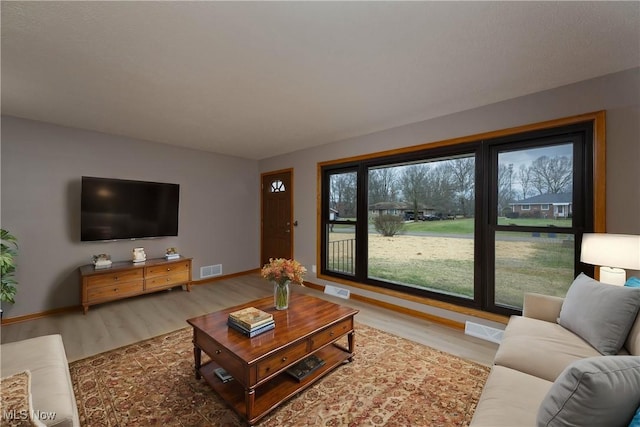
pixel 17 409
pixel 633 340
pixel 508 398
pixel 540 348
pixel 597 391
pixel 541 307
pixel 599 313
pixel 51 385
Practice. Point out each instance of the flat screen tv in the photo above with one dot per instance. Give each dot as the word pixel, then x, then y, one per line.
pixel 115 209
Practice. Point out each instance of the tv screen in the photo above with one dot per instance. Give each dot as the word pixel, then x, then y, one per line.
pixel 113 209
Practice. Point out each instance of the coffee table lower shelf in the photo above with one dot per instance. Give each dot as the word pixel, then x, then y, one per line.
pixel 275 391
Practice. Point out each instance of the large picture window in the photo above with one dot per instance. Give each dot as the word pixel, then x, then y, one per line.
pixel 432 203
pixel 477 223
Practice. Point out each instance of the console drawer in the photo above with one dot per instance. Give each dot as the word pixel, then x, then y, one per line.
pixel 281 360
pixel 115 277
pixel 167 269
pixel 115 290
pixel 220 355
pixel 167 281
pixel 330 334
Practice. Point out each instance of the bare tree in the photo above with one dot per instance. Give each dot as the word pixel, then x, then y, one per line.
pixel 552 175
pixel 412 182
pixel 342 195
pixel 439 188
pixel 525 178
pixel 505 186
pixel 382 185
pixel 463 176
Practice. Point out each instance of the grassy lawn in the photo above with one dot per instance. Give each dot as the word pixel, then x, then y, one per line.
pixel 466 225
pixel 458 226
pixel 549 271
pixel 541 267
pixel 445 264
pixel 535 222
pixel 449 276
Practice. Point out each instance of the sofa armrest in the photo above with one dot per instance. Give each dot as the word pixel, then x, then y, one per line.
pixel 542 307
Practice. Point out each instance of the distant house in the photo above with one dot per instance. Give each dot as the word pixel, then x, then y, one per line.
pixel 388 208
pixel 559 205
pixel 399 208
pixel 333 214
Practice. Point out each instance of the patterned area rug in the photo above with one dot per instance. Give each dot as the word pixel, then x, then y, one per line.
pixel 391 382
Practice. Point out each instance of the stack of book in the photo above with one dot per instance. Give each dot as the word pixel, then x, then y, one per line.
pixel 251 321
pixel 172 253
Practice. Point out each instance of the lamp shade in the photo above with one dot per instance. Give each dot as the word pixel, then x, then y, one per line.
pixel 611 250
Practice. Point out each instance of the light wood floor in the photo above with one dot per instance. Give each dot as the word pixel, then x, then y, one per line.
pixel 115 324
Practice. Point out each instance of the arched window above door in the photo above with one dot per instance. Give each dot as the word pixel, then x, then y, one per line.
pixel 277 186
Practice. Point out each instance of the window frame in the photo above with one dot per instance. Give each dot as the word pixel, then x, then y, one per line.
pixel 596 120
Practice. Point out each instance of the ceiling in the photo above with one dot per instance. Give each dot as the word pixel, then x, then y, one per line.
pixel 259 79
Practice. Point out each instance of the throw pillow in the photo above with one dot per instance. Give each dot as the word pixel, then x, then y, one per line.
pixel 633 282
pixel 596 391
pixel 600 314
pixel 16 401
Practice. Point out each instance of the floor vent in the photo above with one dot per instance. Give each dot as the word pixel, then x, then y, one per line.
pixel 338 292
pixel 483 332
pixel 210 271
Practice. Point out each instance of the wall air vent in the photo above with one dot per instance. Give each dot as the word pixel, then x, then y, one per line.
pixel 210 271
pixel 484 332
pixel 338 292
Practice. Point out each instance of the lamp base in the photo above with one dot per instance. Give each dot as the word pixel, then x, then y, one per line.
pixel 613 276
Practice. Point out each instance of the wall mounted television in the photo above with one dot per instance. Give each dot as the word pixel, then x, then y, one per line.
pixel 118 209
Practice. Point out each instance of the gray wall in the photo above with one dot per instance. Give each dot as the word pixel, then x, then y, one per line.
pixel 618 94
pixel 219 211
pixel 41 169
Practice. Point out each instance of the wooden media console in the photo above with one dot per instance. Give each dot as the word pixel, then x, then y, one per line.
pixel 125 279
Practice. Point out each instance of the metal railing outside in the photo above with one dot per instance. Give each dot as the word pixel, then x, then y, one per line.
pixel 341 255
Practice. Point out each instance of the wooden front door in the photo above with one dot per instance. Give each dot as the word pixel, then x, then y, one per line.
pixel 277 216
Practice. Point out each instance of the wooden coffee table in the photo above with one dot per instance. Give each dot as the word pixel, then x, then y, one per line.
pixel 309 326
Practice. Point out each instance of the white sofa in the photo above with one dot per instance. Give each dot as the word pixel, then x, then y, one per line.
pixel 53 399
pixel 546 374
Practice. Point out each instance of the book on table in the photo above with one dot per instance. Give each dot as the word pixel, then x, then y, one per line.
pixel 223 375
pixel 251 317
pixel 305 367
pixel 251 332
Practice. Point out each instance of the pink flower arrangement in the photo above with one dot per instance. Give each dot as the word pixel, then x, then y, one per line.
pixel 281 270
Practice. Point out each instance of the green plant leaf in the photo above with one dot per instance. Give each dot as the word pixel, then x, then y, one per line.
pixel 8 252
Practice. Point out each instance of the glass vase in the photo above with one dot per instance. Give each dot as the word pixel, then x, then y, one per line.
pixel 281 295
